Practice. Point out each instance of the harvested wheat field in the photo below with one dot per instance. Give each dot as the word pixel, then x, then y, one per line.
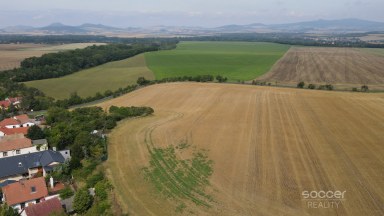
pixel 328 65
pixel 223 149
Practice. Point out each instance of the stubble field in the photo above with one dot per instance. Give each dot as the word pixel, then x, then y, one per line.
pixel 354 67
pixel 267 146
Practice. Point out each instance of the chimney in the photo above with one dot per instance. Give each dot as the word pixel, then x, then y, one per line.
pixel 51 182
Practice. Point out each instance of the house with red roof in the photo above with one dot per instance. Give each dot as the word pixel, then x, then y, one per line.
pixel 25 193
pixel 45 208
pixel 16 125
pixel 17 121
pixel 19 145
pixel 5 104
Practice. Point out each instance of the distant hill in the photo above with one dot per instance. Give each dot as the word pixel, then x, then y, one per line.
pixel 325 26
pixel 59 28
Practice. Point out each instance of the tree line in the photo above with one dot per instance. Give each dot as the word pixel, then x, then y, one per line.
pixel 59 64
pixel 65 39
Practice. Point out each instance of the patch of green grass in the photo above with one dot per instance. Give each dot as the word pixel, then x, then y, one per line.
pixel 377 51
pixel 109 76
pixel 234 60
pixel 180 179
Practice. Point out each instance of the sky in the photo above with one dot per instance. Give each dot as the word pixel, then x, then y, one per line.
pixel 203 13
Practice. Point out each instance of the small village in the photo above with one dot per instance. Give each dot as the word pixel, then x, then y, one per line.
pixel 25 167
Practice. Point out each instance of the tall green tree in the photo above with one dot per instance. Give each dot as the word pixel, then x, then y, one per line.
pixel 35 132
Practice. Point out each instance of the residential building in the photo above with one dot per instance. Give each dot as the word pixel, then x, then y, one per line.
pixel 18 145
pixel 17 121
pixel 29 165
pixel 45 208
pixel 25 193
pixel 5 104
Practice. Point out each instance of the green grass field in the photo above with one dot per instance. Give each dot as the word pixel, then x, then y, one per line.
pixel 234 60
pixel 109 76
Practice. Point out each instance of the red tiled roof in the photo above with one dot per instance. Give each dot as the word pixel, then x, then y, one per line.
pixel 15 99
pixel 14 144
pixel 10 131
pixel 44 208
pixel 5 103
pixel 20 119
pixel 21 191
pixel 23 118
pixel 9 121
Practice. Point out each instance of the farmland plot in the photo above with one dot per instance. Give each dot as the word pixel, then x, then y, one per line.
pixel 328 65
pixel 267 146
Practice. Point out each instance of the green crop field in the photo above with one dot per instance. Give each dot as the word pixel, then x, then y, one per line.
pixel 109 76
pixel 234 60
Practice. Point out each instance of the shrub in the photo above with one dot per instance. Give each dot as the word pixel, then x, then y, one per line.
pixel 364 88
pixel 35 132
pixel 311 86
pixel 66 193
pixel 92 180
pixel 301 84
pixel 83 201
pixel 354 89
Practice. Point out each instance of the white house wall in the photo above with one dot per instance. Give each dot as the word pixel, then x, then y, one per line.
pixel 25 151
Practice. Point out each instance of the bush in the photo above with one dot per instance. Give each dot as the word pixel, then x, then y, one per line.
pixel 83 201
pixel 92 180
pixel 142 81
pixel 354 89
pixel 311 86
pixel 101 188
pixel 66 193
pixel 301 84
pixel 35 133
pixel 364 88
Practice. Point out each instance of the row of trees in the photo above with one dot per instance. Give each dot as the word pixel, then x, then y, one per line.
pixel 199 78
pixel 313 86
pixel 65 39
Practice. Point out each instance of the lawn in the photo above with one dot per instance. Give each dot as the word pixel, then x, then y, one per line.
pixel 109 76
pixel 234 60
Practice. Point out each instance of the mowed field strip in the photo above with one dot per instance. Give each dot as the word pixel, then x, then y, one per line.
pixel 12 54
pixel 234 60
pixel 109 76
pixel 267 146
pixel 329 65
